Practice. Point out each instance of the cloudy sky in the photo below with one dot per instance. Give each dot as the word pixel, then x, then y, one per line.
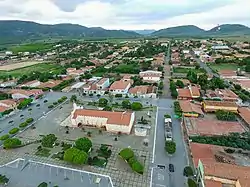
pixel 129 14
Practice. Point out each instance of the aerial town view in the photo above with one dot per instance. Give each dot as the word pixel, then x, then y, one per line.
pixel 104 93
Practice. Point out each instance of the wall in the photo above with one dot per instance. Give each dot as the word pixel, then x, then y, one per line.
pixel 89 120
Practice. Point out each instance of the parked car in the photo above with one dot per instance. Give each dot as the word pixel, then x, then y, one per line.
pixel 171 167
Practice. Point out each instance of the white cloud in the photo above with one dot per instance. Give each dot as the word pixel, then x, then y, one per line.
pixel 130 14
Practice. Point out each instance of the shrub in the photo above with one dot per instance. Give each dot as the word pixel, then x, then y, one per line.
pixel 225 115
pixel 4 137
pixel 43 184
pixel 170 147
pixel 29 120
pixel 230 151
pixel 136 106
pixel 137 167
pixel 49 140
pixel 51 106
pixel 167 116
pixel 14 131
pixel 188 171
pixel 24 124
pixel 12 143
pixel 118 95
pixel 191 183
pixel 75 156
pixel 55 103
pixel 126 153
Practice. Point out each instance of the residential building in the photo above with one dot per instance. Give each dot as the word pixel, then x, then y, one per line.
pixel 228 74
pixel 190 109
pixel 222 94
pixel 96 86
pixel 143 91
pixel 244 113
pixel 151 76
pixel 22 94
pixel 120 87
pixel 115 122
pixel 220 47
pixel 31 84
pixel 244 83
pixel 191 92
pixel 50 84
pixel 8 103
pixel 10 83
pixel 213 106
pixel 210 127
pixel 213 172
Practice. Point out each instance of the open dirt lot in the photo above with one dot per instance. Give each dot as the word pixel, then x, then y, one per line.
pixel 13 66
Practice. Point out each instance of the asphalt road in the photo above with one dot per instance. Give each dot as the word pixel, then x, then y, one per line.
pixel 14 121
pixel 162 177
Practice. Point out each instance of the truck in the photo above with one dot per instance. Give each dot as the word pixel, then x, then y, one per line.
pixel 168 129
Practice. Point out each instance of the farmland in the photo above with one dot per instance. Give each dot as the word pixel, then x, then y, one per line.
pixel 226 66
pixel 31 47
pixel 14 66
pixel 42 67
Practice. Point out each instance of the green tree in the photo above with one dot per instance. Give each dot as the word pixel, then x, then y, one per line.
pixel 102 102
pixel 192 76
pixel 43 184
pixel 4 137
pixel 170 147
pixel 188 171
pixel 237 87
pixel 203 81
pixel 136 106
pixel 126 104
pixel 73 98
pixel 180 84
pixel 49 140
pixel 14 131
pixel 137 167
pixel 75 156
pixel 3 179
pixel 107 108
pixel 24 103
pixel 191 183
pixel 12 143
pixel 83 144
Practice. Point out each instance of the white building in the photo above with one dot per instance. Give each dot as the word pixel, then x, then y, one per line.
pixel 8 53
pixel 31 84
pixel 25 94
pixel 151 76
pixel 120 87
pixel 9 83
pixel 115 122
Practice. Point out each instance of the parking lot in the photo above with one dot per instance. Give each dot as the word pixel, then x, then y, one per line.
pixel 27 173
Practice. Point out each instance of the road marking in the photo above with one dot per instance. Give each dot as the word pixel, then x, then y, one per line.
pixel 160 185
pixel 160 177
pixel 156 118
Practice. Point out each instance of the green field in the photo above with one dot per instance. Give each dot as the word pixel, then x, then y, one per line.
pixel 218 67
pixel 44 67
pixel 185 70
pixel 31 47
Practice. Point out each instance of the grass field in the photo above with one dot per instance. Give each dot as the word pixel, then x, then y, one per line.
pixel 218 67
pixel 31 47
pixel 185 70
pixel 14 66
pixel 44 67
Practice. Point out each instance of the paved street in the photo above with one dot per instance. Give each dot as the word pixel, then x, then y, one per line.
pixel 35 113
pixel 161 177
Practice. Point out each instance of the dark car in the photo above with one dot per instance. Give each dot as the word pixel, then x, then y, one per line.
pixel 171 167
pixel 11 121
pixel 21 115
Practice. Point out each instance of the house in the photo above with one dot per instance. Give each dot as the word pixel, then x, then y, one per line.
pixel 211 127
pixel 143 91
pixel 244 83
pixel 151 76
pixel 222 94
pixel 220 47
pixel 191 92
pixel 115 122
pixel 31 84
pixel 10 83
pixel 8 103
pixel 190 109
pixel 227 74
pixel 244 113
pixel 50 84
pixel 213 106
pixel 120 87
pixel 21 94
pixel 211 172
pixel 96 86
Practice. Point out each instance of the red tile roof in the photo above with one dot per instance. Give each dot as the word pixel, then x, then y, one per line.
pixel 220 103
pixel 184 92
pixel 213 183
pixel 244 112
pixel 116 118
pixel 207 127
pixel 188 107
pixel 119 85
pixel 3 108
pixel 139 90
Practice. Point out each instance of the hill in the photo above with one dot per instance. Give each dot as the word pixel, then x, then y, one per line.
pixel 186 30
pixel 229 29
pixel 20 30
pixel 145 31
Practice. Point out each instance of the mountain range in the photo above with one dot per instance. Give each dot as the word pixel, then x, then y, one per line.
pixel 22 30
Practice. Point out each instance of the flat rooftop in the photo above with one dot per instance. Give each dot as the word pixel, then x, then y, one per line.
pixel 28 173
pixel 208 127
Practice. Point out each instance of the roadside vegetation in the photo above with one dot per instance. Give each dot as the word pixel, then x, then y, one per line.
pixel 170 147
